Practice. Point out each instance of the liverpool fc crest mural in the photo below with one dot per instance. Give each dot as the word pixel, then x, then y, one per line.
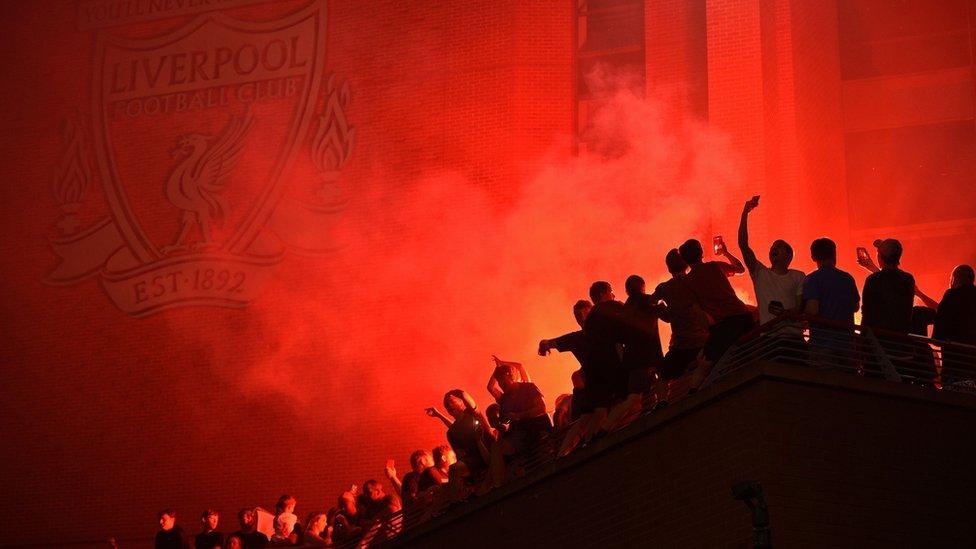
pixel 192 135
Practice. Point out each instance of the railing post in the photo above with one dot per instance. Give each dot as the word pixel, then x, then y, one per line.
pixel 890 372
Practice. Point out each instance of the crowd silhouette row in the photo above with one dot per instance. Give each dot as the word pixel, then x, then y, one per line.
pixel 623 370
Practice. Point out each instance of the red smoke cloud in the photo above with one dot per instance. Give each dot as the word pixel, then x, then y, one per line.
pixel 432 279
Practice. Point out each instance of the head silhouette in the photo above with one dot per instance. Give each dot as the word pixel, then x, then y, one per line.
pixel 780 255
pixel 691 251
pixel 601 291
pixel 634 285
pixel 676 264
pixel 824 252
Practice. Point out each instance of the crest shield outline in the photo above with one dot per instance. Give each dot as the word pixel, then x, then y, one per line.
pixel 142 278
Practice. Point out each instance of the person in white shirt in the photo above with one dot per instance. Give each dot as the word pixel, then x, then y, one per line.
pixel 779 289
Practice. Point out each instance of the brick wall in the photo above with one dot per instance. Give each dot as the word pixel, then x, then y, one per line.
pixel 108 419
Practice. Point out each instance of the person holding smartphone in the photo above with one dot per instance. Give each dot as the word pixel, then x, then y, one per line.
pixel 779 289
pixel 708 281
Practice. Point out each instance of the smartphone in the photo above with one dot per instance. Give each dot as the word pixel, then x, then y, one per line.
pixel 718 245
pixel 775 307
pixel 862 255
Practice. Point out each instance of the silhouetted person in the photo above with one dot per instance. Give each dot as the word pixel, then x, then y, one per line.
pixel 170 535
pixel 830 293
pixel 606 379
pixel 889 294
pixel 689 324
pixel 779 289
pixel 562 411
pixel 470 436
pixel 955 320
pixel 209 537
pixel 250 537
pixel 642 342
pixel 579 344
pixel 523 408
pixel 374 504
pixel 641 352
pixel 494 388
pixel 869 265
pixel 582 408
pixel 420 460
pixel 438 474
pixel 345 522
pixel 709 281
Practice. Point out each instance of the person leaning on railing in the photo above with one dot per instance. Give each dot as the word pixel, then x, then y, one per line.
pixel 470 435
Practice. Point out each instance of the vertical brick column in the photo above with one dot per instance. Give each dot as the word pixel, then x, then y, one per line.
pixel 676 55
pixel 735 100
pixel 819 121
pixel 774 88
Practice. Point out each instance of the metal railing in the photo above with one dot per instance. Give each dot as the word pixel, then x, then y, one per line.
pixel 869 352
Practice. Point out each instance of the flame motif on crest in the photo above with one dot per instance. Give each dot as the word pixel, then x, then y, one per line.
pixel 71 177
pixel 333 141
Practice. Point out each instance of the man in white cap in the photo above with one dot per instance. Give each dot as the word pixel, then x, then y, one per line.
pixel 890 292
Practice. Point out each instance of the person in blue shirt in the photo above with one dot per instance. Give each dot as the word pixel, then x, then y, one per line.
pixel 829 293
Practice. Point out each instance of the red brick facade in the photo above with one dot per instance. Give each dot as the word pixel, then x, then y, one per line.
pixel 108 418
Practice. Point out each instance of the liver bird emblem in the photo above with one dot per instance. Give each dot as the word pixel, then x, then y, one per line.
pixel 196 183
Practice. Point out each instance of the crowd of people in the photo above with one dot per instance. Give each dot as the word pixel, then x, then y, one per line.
pixel 622 363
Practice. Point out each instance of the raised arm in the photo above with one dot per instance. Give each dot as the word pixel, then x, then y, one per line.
pixel 865 261
pixel 391 474
pixel 735 266
pixel 545 346
pixel 517 365
pixel 434 412
pixel 747 254
pixel 494 389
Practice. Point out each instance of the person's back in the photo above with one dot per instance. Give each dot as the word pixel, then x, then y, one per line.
pixel 955 320
pixel 831 294
pixel 689 324
pixel 836 292
pixel 708 281
pixel 710 284
pixel 642 345
pixel 889 293
pixel 604 329
pixel 604 326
